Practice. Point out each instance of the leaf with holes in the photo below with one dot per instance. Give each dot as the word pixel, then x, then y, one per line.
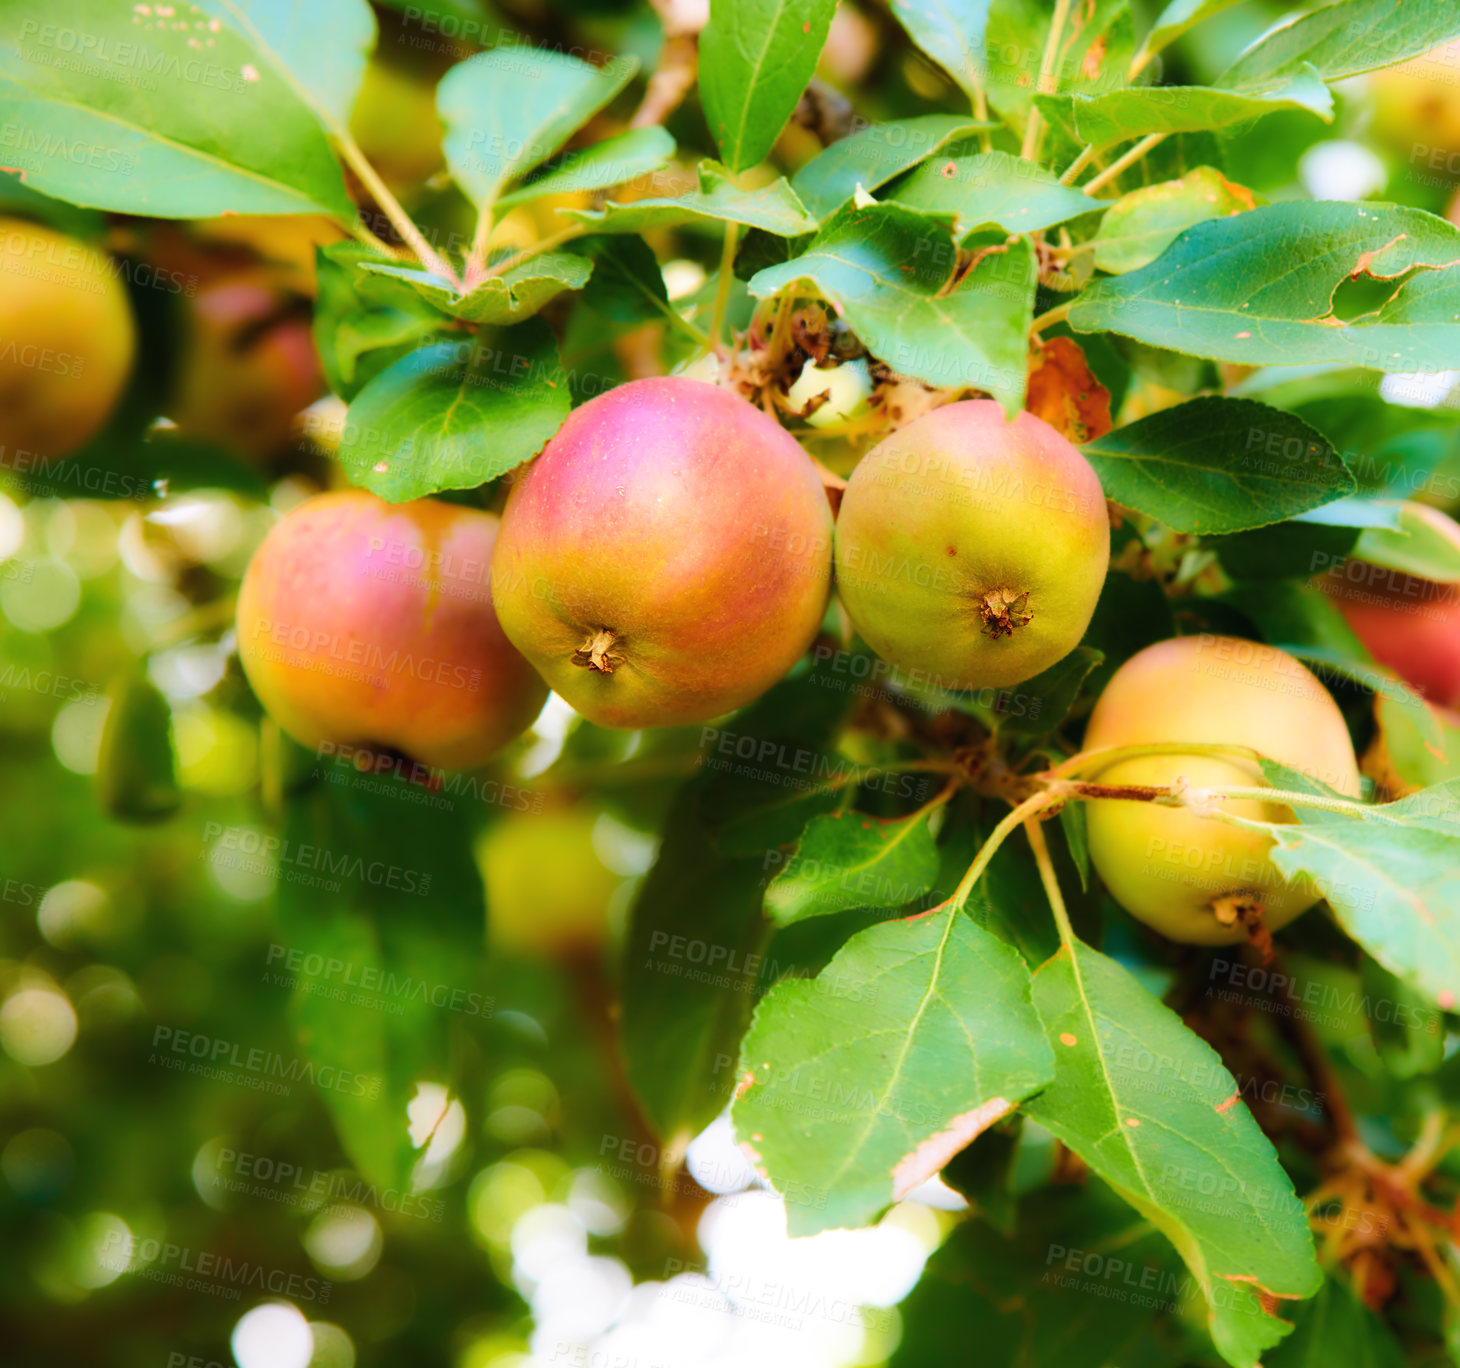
pixel 1260 289
pixel 1150 1107
pixel 859 1084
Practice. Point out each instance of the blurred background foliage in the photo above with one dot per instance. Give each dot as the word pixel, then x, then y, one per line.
pixel 171 1157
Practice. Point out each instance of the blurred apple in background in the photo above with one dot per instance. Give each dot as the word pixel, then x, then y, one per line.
pixel 548 891
pixel 248 364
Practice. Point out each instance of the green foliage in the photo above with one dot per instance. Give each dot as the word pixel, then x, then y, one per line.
pixel 825 933
pixel 195 147
pixel 857 1086
pixel 1261 288
pixel 1190 466
pixel 756 57
pixel 886 269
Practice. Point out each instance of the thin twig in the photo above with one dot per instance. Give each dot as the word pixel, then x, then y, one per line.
pixel 1030 807
pixel 361 233
pixel 1035 832
pixel 476 259
pixel 1052 316
pixel 1123 163
pixel 537 249
pixel 1086 156
pixel 391 208
pixel 1048 82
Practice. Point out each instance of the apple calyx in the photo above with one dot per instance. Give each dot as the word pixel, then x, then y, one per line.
pixel 597 653
pixel 1002 611
pixel 1242 905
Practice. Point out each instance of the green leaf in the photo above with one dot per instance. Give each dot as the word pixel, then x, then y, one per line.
pixel 1121 114
pixel 1330 661
pixel 136 778
pixel 1051 694
pixel 1336 1327
pixel 1150 1107
pixel 508 110
pixel 1416 547
pixel 852 860
pixel 1259 289
pixel 627 284
pixel 612 162
pixel 885 268
pixel 1282 551
pixel 756 58
pixel 322 46
pixel 996 188
pixel 773 207
pixel 1094 52
pixel 1389 876
pixel 351 324
pixel 1177 18
pixel 1408 1033
pixel 1297 614
pixel 386 889
pixel 776 766
pixel 1076 1285
pixel 874 155
pixel 1205 466
pixel 1139 226
pixel 454 415
pixel 516 294
pixel 1004 898
pixel 192 132
pixel 857 1086
pixel 690 966
pixel 1414 756
pixel 951 32
pixel 1346 39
